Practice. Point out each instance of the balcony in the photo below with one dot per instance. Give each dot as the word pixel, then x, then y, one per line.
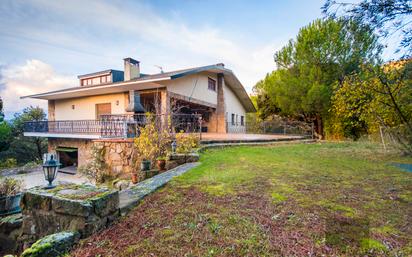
pixel 111 126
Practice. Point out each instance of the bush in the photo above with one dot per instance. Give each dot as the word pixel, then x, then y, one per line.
pixel 10 186
pixel 185 143
pixel 8 163
pixel 153 141
pixel 96 170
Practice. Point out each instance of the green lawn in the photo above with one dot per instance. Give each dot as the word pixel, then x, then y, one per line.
pixel 286 200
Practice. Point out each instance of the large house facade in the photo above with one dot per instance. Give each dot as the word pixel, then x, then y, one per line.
pixel 105 103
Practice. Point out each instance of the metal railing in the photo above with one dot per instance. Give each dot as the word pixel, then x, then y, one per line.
pixel 274 127
pixel 269 127
pixel 236 127
pixel 118 126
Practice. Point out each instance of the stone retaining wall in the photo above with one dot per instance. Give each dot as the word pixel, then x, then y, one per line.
pixel 70 207
pixel 118 155
pixel 10 230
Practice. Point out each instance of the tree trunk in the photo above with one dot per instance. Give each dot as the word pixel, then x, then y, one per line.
pixel 318 126
pixel 37 141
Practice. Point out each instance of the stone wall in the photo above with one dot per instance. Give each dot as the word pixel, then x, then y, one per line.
pixel 83 146
pixel 118 155
pixel 10 230
pixel 68 207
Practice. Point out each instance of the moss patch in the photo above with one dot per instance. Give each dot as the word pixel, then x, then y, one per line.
pixel 369 245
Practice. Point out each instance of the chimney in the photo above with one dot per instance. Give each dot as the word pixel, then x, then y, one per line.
pixel 131 69
pixel 134 102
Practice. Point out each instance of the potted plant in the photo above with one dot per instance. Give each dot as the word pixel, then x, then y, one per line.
pixel 146 145
pixel 10 195
pixel 145 165
pixel 161 163
pixel 135 177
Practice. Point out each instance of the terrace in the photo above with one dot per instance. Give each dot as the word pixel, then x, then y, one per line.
pixel 127 126
pixel 110 126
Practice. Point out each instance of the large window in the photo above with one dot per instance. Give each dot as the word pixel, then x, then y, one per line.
pixel 211 85
pixel 102 109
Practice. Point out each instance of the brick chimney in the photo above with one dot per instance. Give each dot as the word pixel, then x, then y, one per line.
pixel 131 69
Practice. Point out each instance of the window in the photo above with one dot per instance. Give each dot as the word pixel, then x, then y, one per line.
pixel 103 79
pixel 102 109
pixel 242 120
pixel 233 119
pixel 211 85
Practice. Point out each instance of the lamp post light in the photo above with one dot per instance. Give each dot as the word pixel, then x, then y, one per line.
pixel 174 145
pixel 50 171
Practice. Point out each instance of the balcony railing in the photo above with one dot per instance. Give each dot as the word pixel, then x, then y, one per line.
pixel 117 126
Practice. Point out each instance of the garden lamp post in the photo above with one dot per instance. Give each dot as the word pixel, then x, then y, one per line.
pixel 174 145
pixel 50 171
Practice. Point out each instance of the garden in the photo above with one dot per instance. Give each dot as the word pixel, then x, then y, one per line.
pixel 329 199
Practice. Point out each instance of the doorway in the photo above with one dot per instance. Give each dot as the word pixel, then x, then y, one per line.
pixel 68 157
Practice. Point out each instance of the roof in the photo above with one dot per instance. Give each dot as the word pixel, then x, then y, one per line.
pixel 99 73
pixel 149 81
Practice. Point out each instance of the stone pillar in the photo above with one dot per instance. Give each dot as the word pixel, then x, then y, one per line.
pixel 51 110
pixel 165 107
pixel 221 107
pixel 164 102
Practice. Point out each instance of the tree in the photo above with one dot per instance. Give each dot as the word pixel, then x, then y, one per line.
pixel 1 110
pixel 5 130
pixel 379 96
pixel 323 53
pixel 5 136
pixel 386 17
pixel 30 114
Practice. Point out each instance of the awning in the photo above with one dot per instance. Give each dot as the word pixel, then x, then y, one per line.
pixel 66 149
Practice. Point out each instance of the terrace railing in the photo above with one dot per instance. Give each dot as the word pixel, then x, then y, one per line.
pixel 269 127
pixel 117 126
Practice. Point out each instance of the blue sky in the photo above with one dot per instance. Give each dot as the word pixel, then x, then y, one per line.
pixel 46 44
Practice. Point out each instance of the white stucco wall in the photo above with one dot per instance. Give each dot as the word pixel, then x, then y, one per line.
pixel 233 106
pixel 195 86
pixel 85 107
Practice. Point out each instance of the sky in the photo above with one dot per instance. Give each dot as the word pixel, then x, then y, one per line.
pixel 45 44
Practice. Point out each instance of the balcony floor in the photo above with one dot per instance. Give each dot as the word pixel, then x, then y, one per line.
pixel 245 138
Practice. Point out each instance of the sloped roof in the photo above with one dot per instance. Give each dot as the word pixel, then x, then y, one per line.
pixel 146 81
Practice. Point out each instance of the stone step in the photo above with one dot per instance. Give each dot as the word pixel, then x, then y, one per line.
pixel 131 197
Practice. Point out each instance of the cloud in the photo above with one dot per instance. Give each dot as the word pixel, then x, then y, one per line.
pixel 78 24
pixel 27 79
pixel 100 33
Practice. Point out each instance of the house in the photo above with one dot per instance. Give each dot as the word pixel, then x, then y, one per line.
pixel 107 105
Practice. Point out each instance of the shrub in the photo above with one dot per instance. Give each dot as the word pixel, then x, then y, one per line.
pixel 153 140
pixel 96 170
pixel 8 163
pixel 10 186
pixel 185 143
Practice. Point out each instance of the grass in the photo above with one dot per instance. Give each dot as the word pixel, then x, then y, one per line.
pixel 332 199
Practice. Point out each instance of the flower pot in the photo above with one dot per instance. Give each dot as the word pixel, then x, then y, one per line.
pixel 161 165
pixel 145 165
pixel 135 178
pixel 10 204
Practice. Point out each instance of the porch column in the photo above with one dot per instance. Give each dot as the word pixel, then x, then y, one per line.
pixel 51 110
pixel 221 106
pixel 165 107
pixel 164 102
